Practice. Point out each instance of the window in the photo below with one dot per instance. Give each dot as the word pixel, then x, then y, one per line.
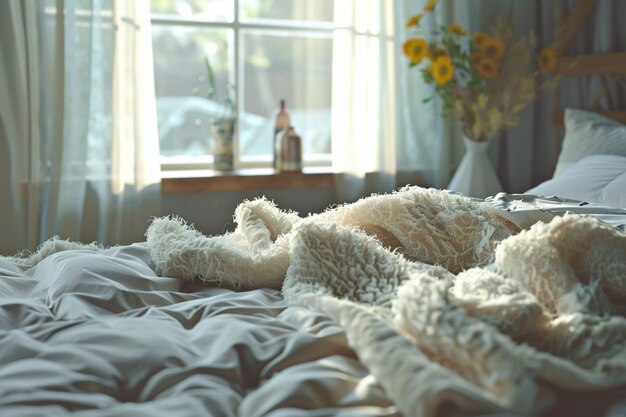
pixel 267 50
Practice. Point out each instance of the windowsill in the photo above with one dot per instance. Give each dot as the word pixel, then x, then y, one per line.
pixel 202 181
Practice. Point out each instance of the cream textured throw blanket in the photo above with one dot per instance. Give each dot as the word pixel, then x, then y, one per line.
pixel 441 298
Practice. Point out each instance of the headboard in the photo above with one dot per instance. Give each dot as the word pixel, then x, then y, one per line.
pixel 613 63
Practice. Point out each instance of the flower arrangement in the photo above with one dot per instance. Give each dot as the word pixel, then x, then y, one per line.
pixel 485 78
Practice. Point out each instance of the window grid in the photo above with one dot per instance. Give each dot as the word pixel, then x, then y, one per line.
pixel 305 28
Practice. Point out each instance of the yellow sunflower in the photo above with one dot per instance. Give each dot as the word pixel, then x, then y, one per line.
pixel 488 68
pixel 478 38
pixel 457 29
pixel 492 48
pixel 443 70
pixel 416 49
pixel 547 60
pixel 414 20
pixel 430 5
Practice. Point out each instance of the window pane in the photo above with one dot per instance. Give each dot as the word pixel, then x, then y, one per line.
pixel 221 10
pixel 311 10
pixel 184 110
pixel 286 66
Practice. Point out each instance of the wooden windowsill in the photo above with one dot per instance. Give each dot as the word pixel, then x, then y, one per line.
pixel 202 181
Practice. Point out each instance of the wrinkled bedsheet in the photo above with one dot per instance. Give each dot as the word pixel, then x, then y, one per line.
pixel 99 334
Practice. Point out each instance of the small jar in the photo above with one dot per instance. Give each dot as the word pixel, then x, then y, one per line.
pixel 289 150
pixel 222 132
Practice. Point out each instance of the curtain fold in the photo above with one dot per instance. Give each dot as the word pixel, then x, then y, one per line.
pixel 364 113
pixel 428 140
pixel 14 124
pixel 79 122
pixel 382 132
pixel 135 168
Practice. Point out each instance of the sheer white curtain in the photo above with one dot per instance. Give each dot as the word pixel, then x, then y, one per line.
pixel 364 118
pixel 78 136
pixel 381 128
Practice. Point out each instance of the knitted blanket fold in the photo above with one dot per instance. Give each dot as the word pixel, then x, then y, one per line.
pixel 438 295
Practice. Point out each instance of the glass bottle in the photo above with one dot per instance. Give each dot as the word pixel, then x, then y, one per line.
pixel 282 122
pixel 289 150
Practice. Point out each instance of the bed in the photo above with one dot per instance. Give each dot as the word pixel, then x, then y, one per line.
pixel 418 303
pixel 400 324
pixel 110 332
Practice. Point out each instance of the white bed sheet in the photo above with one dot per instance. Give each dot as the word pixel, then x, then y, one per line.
pixel 102 335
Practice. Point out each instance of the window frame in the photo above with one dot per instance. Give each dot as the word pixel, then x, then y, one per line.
pixel 235 73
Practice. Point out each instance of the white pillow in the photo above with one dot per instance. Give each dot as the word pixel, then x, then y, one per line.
pixel 594 179
pixel 589 133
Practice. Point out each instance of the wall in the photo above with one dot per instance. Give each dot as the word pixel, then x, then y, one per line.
pixel 212 213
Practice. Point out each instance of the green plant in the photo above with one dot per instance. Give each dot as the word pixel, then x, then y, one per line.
pixel 229 103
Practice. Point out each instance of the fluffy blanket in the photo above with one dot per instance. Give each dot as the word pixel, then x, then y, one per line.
pixel 443 300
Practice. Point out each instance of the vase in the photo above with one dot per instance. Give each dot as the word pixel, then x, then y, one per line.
pixel 475 176
pixel 222 133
